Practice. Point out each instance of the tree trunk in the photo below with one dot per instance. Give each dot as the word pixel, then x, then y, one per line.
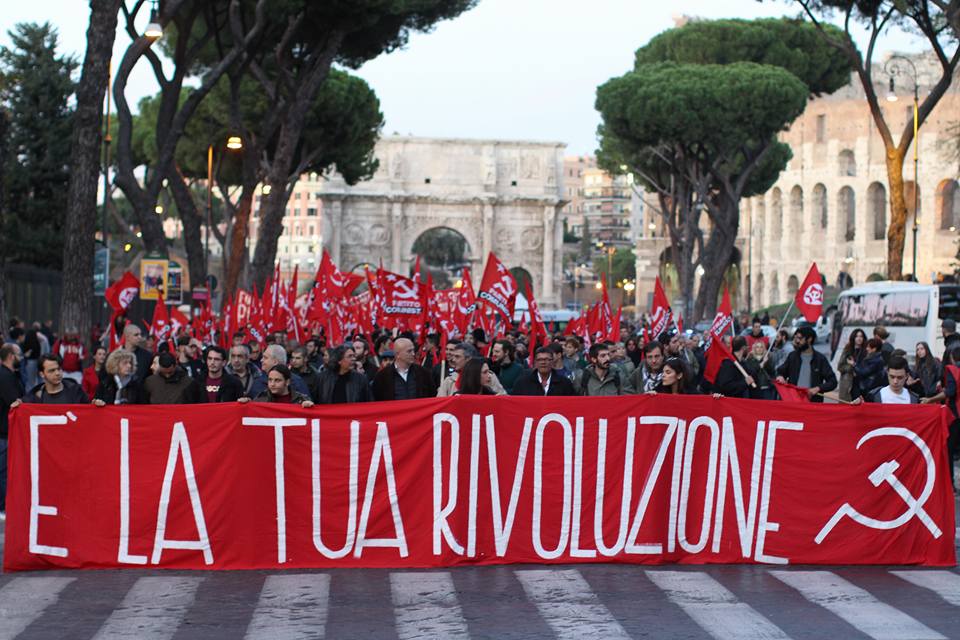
pixel 81 212
pixel 238 243
pixel 192 221
pixel 896 230
pixel 715 257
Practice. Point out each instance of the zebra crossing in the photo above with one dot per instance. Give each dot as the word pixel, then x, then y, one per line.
pixel 583 602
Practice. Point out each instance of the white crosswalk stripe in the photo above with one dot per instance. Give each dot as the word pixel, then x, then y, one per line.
pixel 426 606
pixel 714 607
pixel 291 607
pixel 945 584
pixel 568 605
pixel 856 606
pixel 151 610
pixel 23 600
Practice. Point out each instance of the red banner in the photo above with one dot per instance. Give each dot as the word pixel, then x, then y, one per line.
pixel 478 480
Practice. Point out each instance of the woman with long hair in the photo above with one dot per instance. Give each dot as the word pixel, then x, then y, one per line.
pixel 93 374
pixel 676 378
pixel 634 352
pixel 119 383
pixel 475 379
pixel 853 354
pixel 925 377
pixel 760 368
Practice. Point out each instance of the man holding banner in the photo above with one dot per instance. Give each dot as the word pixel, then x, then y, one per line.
pixel 806 367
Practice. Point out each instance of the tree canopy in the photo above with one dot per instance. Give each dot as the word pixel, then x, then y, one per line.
pixel 697 120
pixel 36 86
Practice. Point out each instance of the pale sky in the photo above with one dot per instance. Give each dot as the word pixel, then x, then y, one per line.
pixel 508 69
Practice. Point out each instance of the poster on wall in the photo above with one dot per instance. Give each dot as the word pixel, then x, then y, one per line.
pixel 153 278
pixel 174 291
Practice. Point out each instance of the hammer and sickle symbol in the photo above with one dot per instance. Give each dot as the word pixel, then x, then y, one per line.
pixel 886 472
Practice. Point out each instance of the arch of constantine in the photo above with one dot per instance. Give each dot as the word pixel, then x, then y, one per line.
pixel 501 196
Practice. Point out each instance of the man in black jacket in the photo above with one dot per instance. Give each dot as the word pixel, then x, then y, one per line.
pixel 544 379
pixel 806 367
pixel 132 341
pixel 340 381
pixel 11 389
pixel 216 384
pixel 404 379
pixel 55 389
pixel 732 382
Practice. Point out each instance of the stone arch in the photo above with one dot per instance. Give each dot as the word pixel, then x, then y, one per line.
pixel 846 163
pixel 776 214
pixel 877 211
pixel 847 214
pixel 793 283
pixel 522 276
pixel 443 253
pixel 774 288
pixel 820 212
pixel 844 280
pixel 948 205
pixel 796 208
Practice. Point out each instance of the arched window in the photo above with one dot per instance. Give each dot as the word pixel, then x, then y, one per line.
pixel 847 212
pixel 776 214
pixel 846 163
pixel 819 206
pixel 877 214
pixel 948 205
pixel 793 283
pixel 796 208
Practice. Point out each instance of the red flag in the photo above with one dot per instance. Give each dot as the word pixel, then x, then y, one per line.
pixel 661 309
pixel 537 328
pixel 122 292
pixel 498 289
pixel 615 326
pixel 716 354
pixel 178 320
pixel 160 326
pixel 724 318
pixel 809 298
pixel 679 323
pixel 791 393
pixel 401 295
pixel 466 304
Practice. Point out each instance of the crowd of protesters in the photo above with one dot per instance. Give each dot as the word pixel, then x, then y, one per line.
pixel 38 367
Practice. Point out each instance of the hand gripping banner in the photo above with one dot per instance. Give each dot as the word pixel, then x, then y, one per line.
pixel 478 480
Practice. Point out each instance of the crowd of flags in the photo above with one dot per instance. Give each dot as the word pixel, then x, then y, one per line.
pixel 393 301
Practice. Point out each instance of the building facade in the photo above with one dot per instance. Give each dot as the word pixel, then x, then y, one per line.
pixel 831 204
pixel 496 195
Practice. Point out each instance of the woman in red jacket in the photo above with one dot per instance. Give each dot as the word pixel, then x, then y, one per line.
pixel 92 374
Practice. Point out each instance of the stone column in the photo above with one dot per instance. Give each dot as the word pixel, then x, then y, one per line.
pixel 396 218
pixel 488 216
pixel 336 226
pixel 549 231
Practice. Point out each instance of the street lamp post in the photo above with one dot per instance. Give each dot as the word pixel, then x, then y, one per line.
pixel 894 67
pixel 234 143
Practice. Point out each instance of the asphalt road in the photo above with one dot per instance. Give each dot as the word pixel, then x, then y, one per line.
pixel 519 601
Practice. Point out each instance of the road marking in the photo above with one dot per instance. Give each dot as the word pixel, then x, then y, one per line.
pixel 151 610
pixel 566 603
pixel 714 607
pixel 856 606
pixel 291 607
pixel 426 606
pixel 23 600
pixel 945 584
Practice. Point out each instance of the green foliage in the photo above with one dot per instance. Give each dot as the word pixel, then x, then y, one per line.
pixel 622 266
pixel 793 45
pixel 36 86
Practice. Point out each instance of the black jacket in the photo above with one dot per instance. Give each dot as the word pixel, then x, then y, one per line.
pixel 870 373
pixel 11 389
pixel 821 373
pixel 357 389
pixel 132 393
pixel 72 393
pixel 295 397
pixel 528 384
pixel 144 360
pixel 874 396
pixel 231 389
pixel 384 383
pixel 730 382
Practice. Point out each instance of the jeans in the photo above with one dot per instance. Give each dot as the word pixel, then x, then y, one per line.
pixel 3 474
